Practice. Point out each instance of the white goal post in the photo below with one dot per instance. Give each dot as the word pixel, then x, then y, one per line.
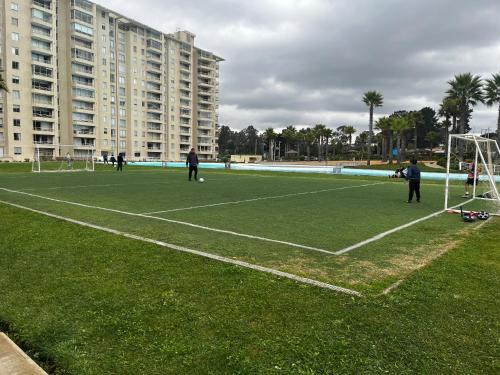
pixel 65 158
pixel 472 171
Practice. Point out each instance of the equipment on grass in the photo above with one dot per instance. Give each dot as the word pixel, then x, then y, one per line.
pixel 478 159
pixel 201 179
pixel 63 158
pixel 483 215
pixel 467 216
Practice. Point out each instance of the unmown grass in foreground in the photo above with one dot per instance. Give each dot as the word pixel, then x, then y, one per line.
pixel 88 302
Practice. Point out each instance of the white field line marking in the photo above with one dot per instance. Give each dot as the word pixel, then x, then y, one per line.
pixel 195 252
pixel 172 221
pixel 71 187
pixel 263 198
pixel 394 230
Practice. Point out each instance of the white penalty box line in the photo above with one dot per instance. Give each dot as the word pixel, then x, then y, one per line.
pixel 263 198
pixel 219 258
pixel 292 244
pixel 397 229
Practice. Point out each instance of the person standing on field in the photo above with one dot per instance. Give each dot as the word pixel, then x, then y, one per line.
pixel 413 178
pixel 119 163
pixel 192 162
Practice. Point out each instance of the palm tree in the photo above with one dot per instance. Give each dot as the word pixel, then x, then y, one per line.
pixel 384 125
pixel 492 96
pixel 327 135
pixel 349 131
pixel 319 132
pixel 415 119
pixel 289 135
pixel 448 109
pixel 309 138
pixel 270 136
pixel 432 137
pixel 467 90
pixel 372 99
pixel 400 125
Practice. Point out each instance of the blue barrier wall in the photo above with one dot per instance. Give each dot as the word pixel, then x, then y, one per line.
pixel 308 169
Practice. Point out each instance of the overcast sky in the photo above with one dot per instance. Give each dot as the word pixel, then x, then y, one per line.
pixel 301 62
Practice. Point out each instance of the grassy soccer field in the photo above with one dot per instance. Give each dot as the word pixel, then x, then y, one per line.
pixel 90 302
pixel 300 224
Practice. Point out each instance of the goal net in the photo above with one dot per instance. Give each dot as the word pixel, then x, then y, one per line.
pixel 473 174
pixel 66 158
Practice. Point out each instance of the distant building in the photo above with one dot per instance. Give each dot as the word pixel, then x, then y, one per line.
pixel 97 79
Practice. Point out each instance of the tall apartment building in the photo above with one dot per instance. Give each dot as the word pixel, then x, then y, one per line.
pixel 80 74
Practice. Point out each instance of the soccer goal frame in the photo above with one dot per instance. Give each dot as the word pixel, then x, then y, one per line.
pixel 486 152
pixel 71 159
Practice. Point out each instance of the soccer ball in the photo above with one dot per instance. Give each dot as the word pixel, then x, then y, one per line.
pixel 483 215
pixel 201 180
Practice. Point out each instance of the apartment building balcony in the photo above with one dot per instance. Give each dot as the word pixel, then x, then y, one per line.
pixel 42 4
pixel 154 128
pixel 185 113
pixel 153 137
pixel 84 133
pixel 43 113
pixel 153 77
pixel 154 57
pixel 154 146
pixel 185 130
pixel 154 107
pixel 44 21
pixel 185 93
pixel 208 66
pixel 154 89
pixel 205 84
pixel 83 70
pixel 204 100
pixel 41 47
pixel 205 124
pixel 83 5
pixel 185 57
pixel 42 59
pixel 153 67
pixel 184 139
pixel 46 128
pixel 42 34
pixel 154 44
pixel 154 98
pixel 204 91
pixel 185 77
pixel 43 139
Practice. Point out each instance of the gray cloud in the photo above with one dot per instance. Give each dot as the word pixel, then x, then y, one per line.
pixel 307 61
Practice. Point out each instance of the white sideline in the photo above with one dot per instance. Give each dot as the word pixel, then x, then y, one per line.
pixel 262 198
pixel 393 230
pixel 219 258
pixel 173 221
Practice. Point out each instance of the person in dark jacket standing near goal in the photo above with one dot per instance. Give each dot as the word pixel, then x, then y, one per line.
pixel 413 178
pixel 119 165
pixel 192 162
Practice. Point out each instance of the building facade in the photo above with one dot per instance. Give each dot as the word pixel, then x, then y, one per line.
pixel 82 75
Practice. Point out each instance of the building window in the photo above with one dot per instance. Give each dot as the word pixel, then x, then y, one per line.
pixel 15 65
pixel 16 122
pixel 14 21
pixel 15 37
pixel 15 51
pixel 15 79
pixel 16 108
pixel 18 151
pixel 17 136
pixel 16 94
pixel 14 7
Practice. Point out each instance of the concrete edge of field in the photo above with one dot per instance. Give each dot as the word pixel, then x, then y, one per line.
pixel 13 361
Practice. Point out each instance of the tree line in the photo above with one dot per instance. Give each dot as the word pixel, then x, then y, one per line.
pixel 402 132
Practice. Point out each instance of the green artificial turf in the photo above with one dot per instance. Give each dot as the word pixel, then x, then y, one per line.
pixel 320 211
pixel 88 302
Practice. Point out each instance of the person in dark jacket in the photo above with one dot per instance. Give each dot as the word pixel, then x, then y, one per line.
pixel 112 160
pixel 119 163
pixel 192 162
pixel 413 178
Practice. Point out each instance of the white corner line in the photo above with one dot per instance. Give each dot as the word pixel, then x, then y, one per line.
pixel 219 258
pixel 262 198
pixel 394 230
pixel 173 221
